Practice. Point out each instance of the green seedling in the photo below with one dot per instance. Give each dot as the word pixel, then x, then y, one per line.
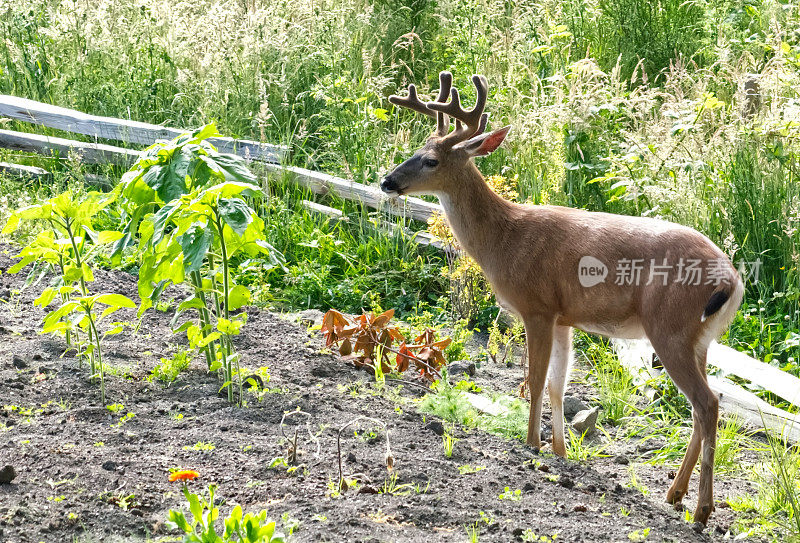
pixel 66 247
pixel 238 527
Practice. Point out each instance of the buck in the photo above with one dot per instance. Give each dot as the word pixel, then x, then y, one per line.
pixel 553 267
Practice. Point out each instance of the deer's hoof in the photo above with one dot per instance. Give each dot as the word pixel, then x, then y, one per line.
pixel 675 496
pixel 559 450
pixel 702 513
pixel 535 443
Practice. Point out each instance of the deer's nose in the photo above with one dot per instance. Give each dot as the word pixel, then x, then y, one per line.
pixel 389 184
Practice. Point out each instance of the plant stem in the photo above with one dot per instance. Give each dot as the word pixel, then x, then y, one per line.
pixel 85 292
pixel 64 296
pixel 225 296
pixel 99 355
pixel 205 319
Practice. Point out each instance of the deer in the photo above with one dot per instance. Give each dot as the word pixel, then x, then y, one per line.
pixel 551 267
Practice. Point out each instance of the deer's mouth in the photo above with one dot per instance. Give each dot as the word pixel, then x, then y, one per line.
pixel 390 187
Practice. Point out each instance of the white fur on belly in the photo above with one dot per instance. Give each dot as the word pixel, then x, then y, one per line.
pixel 630 329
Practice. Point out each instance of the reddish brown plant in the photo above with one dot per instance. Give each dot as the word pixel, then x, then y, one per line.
pixel 368 337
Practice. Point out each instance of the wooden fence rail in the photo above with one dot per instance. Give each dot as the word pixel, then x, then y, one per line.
pixel 632 354
pixel 370 196
pixel 132 132
pixel 90 153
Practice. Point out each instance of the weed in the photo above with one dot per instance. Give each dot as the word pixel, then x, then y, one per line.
pixel 473 532
pixel 200 446
pixel 635 483
pixel 393 487
pixel 290 523
pixel 639 535
pixel 614 383
pixel 448 442
pixel 467 469
pixel 123 419
pixel 170 368
pixel 530 536
pixel 730 438
pixel 372 336
pixel 511 495
pixel 579 451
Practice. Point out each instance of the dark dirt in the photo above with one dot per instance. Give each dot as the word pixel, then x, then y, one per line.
pixel 81 475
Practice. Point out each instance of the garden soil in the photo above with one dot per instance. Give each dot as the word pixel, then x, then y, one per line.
pixel 85 473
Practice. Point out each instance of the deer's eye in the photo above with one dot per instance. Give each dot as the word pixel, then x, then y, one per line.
pixel 430 163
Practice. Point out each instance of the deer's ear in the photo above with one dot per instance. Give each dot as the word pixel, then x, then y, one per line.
pixel 485 143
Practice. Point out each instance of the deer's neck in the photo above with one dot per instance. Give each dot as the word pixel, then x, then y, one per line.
pixel 480 219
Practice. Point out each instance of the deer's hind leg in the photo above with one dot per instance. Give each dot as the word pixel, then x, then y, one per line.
pixel 685 363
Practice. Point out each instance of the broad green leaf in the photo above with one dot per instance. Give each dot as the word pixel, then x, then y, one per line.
pixel 195 507
pixel 161 219
pixel 190 303
pixel 196 339
pixel 131 227
pixel 205 132
pixel 173 183
pixel 236 514
pixel 21 264
pixel 235 169
pixel 179 519
pixel 118 328
pixel 33 212
pixel 227 189
pixel 86 272
pixel 229 327
pixel 183 327
pixel 108 311
pixel 155 178
pixel 11 224
pixel 108 236
pixel 116 300
pixel 79 319
pixel 55 327
pixel 213 336
pixel 90 233
pixel 72 273
pixel 45 298
pixel 195 244
pixel 65 309
pixel 134 189
pixel 235 213
pixel 238 296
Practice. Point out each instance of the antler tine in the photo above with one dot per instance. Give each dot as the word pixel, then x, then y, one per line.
pixel 442 120
pixel 469 123
pixel 412 102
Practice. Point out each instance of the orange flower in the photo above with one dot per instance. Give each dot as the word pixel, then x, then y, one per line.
pixel 183 475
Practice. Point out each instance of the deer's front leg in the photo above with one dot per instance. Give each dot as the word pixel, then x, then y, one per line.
pixel 539 336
